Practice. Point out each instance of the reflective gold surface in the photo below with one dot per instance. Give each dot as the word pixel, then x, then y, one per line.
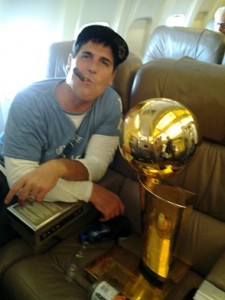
pixel 159 137
pixel 162 223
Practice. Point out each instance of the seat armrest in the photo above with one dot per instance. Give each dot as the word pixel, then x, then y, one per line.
pixel 208 290
pixel 214 285
pixel 217 274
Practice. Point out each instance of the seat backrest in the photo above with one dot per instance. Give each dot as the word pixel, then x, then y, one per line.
pixel 177 42
pixel 57 59
pixel 124 78
pixel 58 56
pixel 199 86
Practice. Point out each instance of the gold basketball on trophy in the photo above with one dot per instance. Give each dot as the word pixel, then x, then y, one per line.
pixel 159 136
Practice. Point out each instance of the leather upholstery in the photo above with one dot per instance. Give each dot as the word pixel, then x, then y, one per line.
pixel 58 56
pixel 177 42
pixel 199 86
pixel 124 78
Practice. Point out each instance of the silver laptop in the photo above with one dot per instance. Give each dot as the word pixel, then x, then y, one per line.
pixel 41 223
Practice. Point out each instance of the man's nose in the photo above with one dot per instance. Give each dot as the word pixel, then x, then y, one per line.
pixel 93 66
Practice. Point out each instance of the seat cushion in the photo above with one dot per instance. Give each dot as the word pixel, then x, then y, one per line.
pixel 12 252
pixel 46 276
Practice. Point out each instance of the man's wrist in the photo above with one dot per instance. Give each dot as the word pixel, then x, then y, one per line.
pixel 70 169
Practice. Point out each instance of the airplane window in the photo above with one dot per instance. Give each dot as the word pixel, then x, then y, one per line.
pixel 200 20
pixel 176 20
pixel 210 24
pixel 138 35
pixel 24 53
pixel 23 57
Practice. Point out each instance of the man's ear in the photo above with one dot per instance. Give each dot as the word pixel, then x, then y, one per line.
pixel 69 60
pixel 113 76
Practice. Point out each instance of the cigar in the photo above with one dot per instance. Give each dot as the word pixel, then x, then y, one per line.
pixel 78 74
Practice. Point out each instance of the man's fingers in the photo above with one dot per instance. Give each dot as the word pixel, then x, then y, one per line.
pixel 40 196
pixel 12 192
pixel 17 188
pixel 109 214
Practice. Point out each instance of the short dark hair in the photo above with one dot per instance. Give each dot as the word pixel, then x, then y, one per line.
pixel 103 35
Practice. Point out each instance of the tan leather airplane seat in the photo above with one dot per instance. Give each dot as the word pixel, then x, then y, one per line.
pixel 57 59
pixel 177 42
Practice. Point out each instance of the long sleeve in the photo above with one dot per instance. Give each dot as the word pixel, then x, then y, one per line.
pixel 98 157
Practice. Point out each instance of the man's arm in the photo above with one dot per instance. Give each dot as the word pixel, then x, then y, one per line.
pixel 28 177
pixel 99 154
pixel 108 203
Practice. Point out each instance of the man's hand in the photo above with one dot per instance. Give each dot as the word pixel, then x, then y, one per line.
pixel 35 185
pixel 108 203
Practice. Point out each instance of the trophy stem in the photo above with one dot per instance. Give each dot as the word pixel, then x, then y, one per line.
pixel 164 206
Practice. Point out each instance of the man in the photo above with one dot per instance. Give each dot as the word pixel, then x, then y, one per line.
pixel 61 135
pixel 219 20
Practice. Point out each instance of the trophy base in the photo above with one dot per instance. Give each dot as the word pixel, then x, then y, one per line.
pixel 152 277
pixel 144 281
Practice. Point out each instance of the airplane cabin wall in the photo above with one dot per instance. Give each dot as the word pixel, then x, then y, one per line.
pixel 135 20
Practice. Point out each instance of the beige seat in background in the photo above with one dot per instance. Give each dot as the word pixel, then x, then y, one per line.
pixel 58 56
pixel 177 42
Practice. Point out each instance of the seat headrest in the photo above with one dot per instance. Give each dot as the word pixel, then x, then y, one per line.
pixel 177 42
pixel 198 85
pixel 57 59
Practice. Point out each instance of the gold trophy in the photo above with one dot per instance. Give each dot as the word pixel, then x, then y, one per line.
pixel 159 138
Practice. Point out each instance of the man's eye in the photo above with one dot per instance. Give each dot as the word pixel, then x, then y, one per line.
pixel 105 63
pixel 85 55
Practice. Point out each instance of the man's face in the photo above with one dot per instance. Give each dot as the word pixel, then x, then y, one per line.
pixel 219 23
pixel 95 62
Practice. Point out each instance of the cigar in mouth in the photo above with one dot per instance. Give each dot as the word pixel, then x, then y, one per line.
pixel 78 74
